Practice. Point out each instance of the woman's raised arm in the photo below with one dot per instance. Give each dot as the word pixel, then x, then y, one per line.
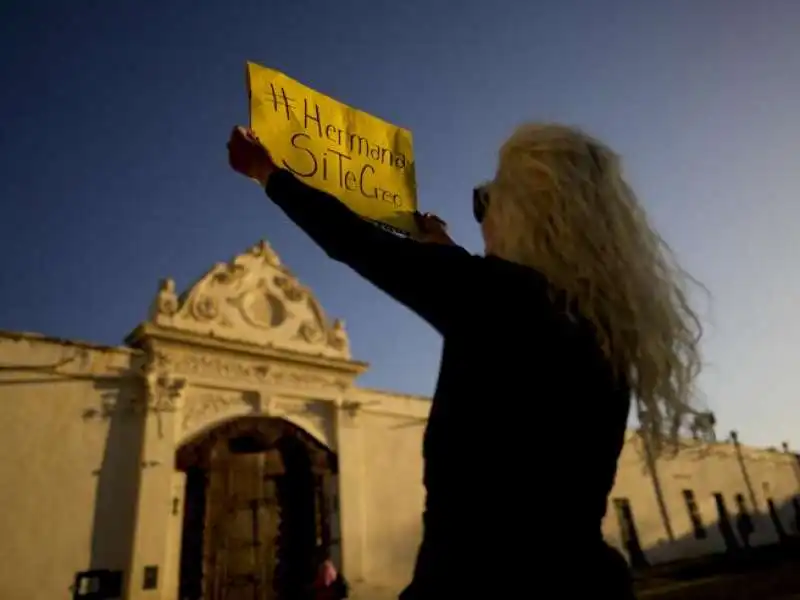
pixel 427 278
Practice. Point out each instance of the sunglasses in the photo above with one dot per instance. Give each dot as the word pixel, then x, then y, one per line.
pixel 480 202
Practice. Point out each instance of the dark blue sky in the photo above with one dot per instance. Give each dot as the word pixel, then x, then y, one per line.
pixel 115 117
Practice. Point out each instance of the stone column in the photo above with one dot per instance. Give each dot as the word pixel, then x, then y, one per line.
pixel 350 450
pixel 151 570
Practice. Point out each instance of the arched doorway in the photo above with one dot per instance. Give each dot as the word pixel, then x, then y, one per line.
pixel 257 508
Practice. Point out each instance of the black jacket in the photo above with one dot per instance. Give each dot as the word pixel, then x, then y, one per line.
pixel 527 421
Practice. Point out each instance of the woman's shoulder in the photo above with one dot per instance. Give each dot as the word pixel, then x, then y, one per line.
pixel 508 279
pixel 524 294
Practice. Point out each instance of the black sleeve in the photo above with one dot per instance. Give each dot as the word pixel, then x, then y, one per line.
pixel 427 278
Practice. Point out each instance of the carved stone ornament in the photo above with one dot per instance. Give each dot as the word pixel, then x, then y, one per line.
pixel 211 367
pixel 252 299
pixel 208 406
pixel 164 391
pixel 166 302
pixel 205 407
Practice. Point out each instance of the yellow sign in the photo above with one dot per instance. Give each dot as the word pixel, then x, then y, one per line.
pixel 365 162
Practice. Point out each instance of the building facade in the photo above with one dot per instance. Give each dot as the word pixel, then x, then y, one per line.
pixel 227 445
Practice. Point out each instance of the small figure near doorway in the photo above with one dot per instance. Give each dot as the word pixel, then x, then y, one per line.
pixel 744 522
pixel 329 583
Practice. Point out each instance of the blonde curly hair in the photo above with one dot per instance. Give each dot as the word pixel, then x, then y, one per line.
pixel 560 204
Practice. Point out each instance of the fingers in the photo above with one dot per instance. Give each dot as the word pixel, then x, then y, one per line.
pixel 432 217
pixel 237 147
pixel 428 222
pixel 248 134
pixel 243 134
pixel 242 141
pixel 237 133
pixel 248 156
pixel 251 135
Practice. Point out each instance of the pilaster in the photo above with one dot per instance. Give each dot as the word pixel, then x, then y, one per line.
pixel 151 574
pixel 352 513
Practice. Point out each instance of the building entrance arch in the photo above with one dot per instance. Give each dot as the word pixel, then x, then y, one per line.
pixel 259 507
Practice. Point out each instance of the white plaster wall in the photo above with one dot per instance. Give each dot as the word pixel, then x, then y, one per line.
pixel 634 484
pixel 72 472
pixel 705 472
pixel 393 427
pixel 59 483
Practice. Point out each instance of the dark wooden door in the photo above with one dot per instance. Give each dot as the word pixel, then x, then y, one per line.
pixel 242 522
pixel 259 512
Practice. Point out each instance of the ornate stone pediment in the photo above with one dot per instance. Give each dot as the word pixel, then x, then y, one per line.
pixel 254 300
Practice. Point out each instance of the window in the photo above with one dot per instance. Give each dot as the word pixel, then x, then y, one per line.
pixel 630 538
pixel 694 515
pixel 625 517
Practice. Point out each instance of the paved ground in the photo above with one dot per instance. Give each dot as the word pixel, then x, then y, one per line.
pixel 774 577
pixel 766 574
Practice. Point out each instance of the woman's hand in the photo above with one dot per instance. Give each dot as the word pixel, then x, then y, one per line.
pixel 431 230
pixel 248 156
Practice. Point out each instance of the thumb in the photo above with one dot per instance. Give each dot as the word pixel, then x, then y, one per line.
pixel 434 223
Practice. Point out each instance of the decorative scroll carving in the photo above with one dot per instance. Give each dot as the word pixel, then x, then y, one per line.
pixel 274 407
pixel 207 406
pixel 252 299
pixel 313 414
pixel 157 391
pixel 164 390
pixel 297 378
pixel 244 371
pixel 216 367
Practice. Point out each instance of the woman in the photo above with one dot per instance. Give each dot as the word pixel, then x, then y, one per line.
pixel 575 308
